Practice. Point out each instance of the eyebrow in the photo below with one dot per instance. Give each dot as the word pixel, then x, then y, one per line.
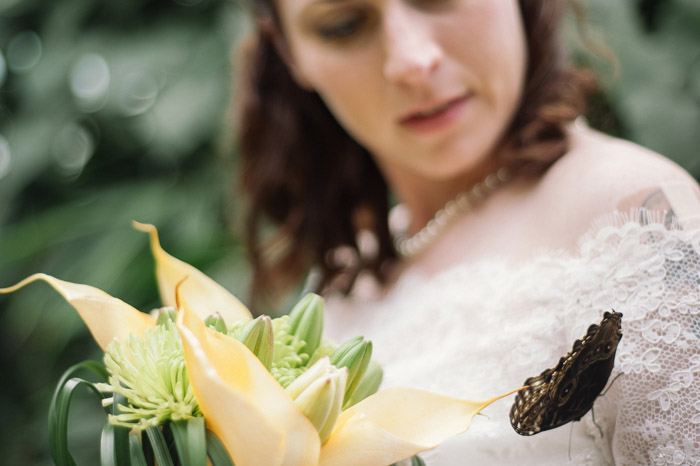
pixel 317 2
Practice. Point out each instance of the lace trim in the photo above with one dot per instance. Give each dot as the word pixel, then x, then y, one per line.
pixel 618 220
pixel 478 329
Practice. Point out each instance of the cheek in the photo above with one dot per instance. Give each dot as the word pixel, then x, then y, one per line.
pixel 513 52
pixel 350 90
pixel 490 43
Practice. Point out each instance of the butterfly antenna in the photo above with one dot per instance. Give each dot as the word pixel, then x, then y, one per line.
pixel 603 394
pixel 571 431
pixel 595 423
pixel 611 384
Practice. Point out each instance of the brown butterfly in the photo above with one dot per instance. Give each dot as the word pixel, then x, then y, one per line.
pixel 567 391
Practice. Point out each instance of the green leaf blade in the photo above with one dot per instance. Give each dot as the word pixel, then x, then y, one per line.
pixel 160 446
pixel 138 457
pixel 60 408
pixel 216 451
pixel 190 441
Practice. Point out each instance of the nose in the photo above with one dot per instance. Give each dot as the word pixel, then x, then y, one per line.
pixel 411 51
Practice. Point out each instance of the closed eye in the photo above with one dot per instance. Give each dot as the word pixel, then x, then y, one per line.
pixel 340 29
pixel 342 26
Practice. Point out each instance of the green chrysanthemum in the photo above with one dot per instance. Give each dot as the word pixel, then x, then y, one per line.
pixel 287 363
pixel 150 373
pixel 325 348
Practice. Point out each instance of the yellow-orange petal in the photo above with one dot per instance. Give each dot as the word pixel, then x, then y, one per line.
pixel 395 424
pixel 242 403
pixel 202 293
pixel 106 316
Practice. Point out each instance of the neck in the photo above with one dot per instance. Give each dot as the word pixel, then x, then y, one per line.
pixel 424 197
pixel 409 242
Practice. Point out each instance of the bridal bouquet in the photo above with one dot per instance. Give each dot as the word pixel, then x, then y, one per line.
pixel 200 380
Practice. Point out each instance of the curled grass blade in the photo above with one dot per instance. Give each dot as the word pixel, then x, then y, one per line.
pixel 60 407
pixel 107 457
pixel 120 437
pixel 138 458
pixel 147 449
pixel 216 451
pixel 190 441
pixel 160 446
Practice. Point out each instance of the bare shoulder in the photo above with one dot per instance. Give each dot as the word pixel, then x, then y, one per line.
pixel 601 174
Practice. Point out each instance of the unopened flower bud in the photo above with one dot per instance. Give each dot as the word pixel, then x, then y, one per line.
pixel 306 322
pixel 216 322
pixel 164 314
pixel 368 385
pixel 354 354
pixel 308 377
pixel 319 394
pixel 259 338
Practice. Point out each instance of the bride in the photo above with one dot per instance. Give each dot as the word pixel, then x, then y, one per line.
pixel 517 226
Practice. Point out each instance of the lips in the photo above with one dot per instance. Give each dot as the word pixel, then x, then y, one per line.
pixel 434 115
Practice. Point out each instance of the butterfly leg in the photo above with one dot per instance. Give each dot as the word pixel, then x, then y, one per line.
pixel 595 423
pixel 611 384
pixel 603 394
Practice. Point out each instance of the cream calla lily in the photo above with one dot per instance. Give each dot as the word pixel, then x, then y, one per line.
pixel 397 423
pixel 204 294
pixel 107 317
pixel 255 418
pixel 386 427
pixel 242 403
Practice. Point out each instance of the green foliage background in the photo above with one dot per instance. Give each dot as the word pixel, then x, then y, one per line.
pixel 116 110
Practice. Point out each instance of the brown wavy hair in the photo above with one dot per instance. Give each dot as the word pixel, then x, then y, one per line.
pixel 311 188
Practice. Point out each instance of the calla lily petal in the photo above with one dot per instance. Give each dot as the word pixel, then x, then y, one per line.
pixel 106 316
pixel 242 403
pixel 204 294
pixel 397 423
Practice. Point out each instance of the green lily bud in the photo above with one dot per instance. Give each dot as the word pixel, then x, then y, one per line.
pixel 337 407
pixel 319 394
pixel 259 339
pixel 354 354
pixel 306 322
pixel 216 321
pixel 164 314
pixel 301 383
pixel 368 385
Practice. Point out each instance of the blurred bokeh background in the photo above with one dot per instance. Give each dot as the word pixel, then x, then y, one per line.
pixel 113 110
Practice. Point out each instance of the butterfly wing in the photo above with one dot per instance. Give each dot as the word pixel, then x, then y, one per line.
pixel 567 391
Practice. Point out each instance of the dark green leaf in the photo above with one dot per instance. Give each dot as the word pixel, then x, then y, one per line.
pixel 60 407
pixel 190 441
pixel 216 451
pixel 121 435
pixel 107 450
pixel 160 447
pixel 138 458
pixel 147 449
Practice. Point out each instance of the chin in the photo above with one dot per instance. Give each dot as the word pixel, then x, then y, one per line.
pixel 444 170
pixel 462 159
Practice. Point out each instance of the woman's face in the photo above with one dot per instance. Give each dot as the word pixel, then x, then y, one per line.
pixel 427 86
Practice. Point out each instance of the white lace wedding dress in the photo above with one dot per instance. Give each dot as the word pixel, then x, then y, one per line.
pixel 480 329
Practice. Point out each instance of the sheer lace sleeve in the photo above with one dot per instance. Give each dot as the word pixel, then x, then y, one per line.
pixel 650 271
pixel 483 327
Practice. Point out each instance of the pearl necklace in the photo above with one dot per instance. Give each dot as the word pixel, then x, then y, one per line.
pixel 412 245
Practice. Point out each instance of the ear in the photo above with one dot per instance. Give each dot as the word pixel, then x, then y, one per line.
pixel 270 30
